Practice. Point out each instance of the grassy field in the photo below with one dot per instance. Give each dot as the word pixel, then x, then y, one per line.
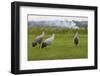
pixel 62 47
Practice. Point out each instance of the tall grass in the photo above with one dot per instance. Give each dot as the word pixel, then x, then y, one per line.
pixel 59 30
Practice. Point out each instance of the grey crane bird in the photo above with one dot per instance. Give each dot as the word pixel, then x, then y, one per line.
pixel 76 39
pixel 48 41
pixel 38 39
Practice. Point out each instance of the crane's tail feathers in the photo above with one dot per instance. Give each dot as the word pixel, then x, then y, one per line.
pixel 43 45
pixel 34 44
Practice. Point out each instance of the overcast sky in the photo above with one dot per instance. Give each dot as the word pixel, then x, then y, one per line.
pixel 45 17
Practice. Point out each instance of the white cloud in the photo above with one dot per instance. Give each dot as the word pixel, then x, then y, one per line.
pixel 48 17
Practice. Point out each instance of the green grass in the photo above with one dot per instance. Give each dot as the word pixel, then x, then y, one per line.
pixel 61 48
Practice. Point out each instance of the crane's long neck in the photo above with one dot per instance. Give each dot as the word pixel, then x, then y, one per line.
pixel 42 34
pixel 76 35
pixel 53 36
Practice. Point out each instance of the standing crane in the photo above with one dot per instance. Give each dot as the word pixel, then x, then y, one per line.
pixel 48 41
pixel 76 39
pixel 38 39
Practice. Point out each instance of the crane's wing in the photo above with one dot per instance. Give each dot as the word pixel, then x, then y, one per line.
pixel 48 41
